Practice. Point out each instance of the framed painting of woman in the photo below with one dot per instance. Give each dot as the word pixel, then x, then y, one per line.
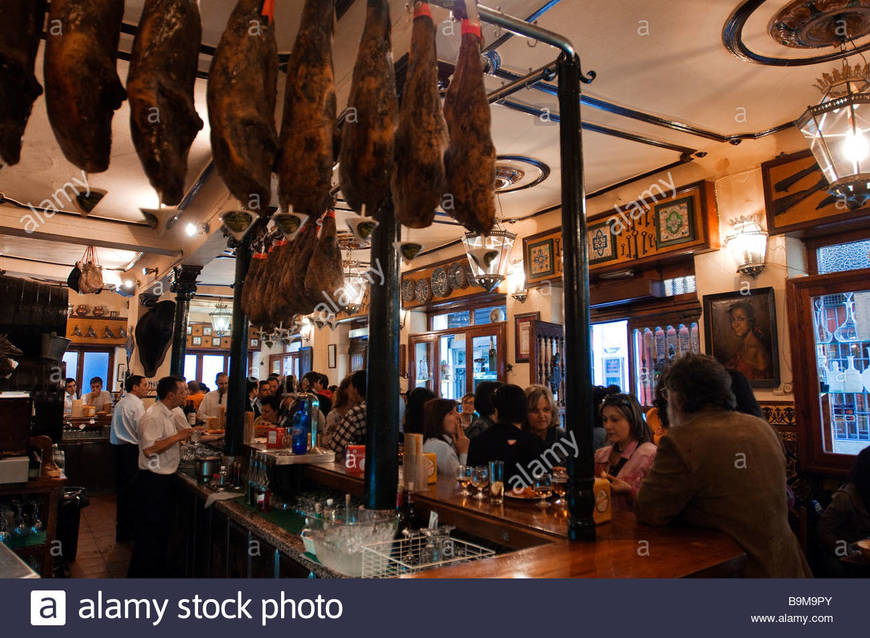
pixel 740 332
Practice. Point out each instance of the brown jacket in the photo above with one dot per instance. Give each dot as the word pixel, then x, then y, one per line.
pixel 726 471
pixel 846 518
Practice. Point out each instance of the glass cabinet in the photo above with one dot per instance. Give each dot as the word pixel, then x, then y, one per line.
pixel 829 322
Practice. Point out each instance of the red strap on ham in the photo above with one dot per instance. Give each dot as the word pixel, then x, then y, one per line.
pixel 469 27
pixel 422 9
pixel 268 11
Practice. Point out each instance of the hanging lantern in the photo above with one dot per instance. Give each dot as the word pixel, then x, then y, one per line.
pixel 837 131
pixel 221 320
pixel 353 292
pixel 489 256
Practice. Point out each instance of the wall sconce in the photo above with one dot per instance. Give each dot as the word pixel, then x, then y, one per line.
pixel 747 243
pixel 192 230
pixel 147 271
pixel 516 281
pixel 403 318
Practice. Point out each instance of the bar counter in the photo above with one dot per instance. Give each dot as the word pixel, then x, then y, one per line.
pixel 531 539
pixel 624 548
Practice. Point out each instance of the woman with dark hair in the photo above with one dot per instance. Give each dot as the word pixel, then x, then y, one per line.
pixel 343 404
pixel 417 398
pixel 506 441
pixel 751 358
pixel 847 518
pixel 629 457
pixel 442 435
pixel 484 407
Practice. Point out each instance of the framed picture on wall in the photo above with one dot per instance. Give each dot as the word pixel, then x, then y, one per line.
pixel 197 341
pixel 523 335
pixel 216 342
pixel 740 333
pixel 206 331
pixel 189 329
pixel 331 352
pixel 255 344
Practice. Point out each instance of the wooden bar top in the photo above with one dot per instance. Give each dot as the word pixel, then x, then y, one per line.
pixel 623 548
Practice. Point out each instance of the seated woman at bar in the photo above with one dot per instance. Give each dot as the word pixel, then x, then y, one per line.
pixel 630 455
pixel 343 404
pixel 543 422
pixel 847 520
pixel 417 398
pixel 443 436
pixel 506 441
pixel 269 416
pixel 484 407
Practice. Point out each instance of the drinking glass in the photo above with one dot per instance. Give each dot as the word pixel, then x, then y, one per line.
pixel 463 477
pixel 479 480
pixel 560 484
pixel 543 488
pixel 496 481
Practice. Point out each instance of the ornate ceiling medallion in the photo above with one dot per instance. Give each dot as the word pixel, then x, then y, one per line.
pixel 820 23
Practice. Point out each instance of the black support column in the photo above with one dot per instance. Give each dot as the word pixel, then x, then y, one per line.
pixel 238 389
pixel 184 286
pixel 575 277
pixel 382 393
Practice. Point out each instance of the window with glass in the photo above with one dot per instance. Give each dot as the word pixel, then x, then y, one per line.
pixel 83 364
pixel 610 354
pixel 853 255
pixel 473 316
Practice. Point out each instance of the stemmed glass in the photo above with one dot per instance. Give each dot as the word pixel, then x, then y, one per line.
pixel 480 480
pixel 560 484
pixel 463 477
pixel 847 332
pixel 823 335
pixel 543 488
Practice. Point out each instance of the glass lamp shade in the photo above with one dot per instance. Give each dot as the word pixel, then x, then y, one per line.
pixel 488 256
pixel 837 130
pixel 354 292
pixel 221 320
pixel 747 245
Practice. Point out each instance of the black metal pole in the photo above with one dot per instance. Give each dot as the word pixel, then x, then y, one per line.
pixel 382 393
pixel 238 372
pixel 184 287
pixel 575 281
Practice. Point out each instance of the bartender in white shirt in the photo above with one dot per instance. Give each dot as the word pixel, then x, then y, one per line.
pixel 97 397
pixel 214 400
pixel 124 437
pixel 69 396
pixel 159 455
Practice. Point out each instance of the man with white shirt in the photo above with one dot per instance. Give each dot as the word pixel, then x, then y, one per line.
pixel 124 437
pixel 214 400
pixel 69 396
pixel 159 455
pixel 97 397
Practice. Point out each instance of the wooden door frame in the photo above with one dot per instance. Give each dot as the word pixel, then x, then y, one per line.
pixel 799 292
pixel 498 330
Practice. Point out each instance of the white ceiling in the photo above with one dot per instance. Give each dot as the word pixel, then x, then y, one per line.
pixel 680 71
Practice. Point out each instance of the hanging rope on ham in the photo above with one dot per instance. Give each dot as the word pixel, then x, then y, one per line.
pixel 421 139
pixel 160 84
pixel 367 158
pixel 308 128
pixel 20 29
pixel 82 88
pixel 242 91
pixel 470 157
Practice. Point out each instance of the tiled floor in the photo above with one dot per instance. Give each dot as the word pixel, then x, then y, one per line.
pixel 98 555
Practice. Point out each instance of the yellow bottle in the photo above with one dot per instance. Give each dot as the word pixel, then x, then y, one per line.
pixel 603 502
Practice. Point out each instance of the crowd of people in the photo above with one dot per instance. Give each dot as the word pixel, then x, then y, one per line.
pixel 701 456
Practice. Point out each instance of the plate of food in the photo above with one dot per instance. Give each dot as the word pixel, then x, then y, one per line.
pixel 527 494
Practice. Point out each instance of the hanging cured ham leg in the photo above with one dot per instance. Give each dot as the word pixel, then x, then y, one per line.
pixel 163 119
pixel 20 29
pixel 308 128
pixel 367 152
pixel 242 90
pixel 325 274
pixel 421 139
pixel 82 88
pixel 470 158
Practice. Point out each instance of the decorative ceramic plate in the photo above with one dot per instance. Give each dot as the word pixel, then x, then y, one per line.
pixel 441 283
pixel 408 290
pixel 457 274
pixel 423 292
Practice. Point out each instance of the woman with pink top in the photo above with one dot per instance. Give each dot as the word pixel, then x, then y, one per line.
pixel 628 458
